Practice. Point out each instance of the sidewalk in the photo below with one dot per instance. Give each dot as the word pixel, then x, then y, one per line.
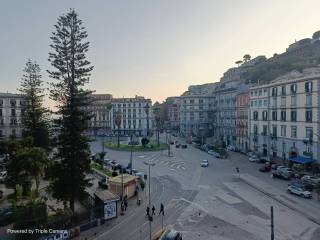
pixel 307 208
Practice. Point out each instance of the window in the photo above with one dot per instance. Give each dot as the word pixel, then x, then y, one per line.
pixel 260 92
pixel 255 129
pixel 1 134
pixel 293 101
pixel 283 115
pixel 309 134
pixel 255 115
pixel 191 101
pixel 283 130
pixel 293 88
pixel 200 101
pixel 294 132
pixel 274 115
pixel 251 93
pixel 13 112
pixel 283 90
pixel 0 112
pixel 274 130
pixel 274 92
pixel 264 115
pixel 308 87
pixel 308 115
pixel 265 103
pixel 124 105
pixel 293 116
pixel 264 130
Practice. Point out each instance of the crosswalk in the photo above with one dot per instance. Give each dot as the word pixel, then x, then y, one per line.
pixel 171 163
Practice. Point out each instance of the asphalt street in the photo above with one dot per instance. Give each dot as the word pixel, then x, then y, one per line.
pixel 213 203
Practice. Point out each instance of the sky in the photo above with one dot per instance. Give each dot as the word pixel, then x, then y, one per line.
pixel 154 48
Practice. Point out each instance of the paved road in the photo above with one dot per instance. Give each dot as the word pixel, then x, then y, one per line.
pixel 212 203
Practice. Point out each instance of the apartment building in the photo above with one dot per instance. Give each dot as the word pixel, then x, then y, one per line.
pixel 11 110
pixel 173 111
pixel 135 115
pixel 242 123
pixel 284 116
pixel 100 108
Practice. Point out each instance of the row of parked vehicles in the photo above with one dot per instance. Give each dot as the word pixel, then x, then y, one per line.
pixel 302 183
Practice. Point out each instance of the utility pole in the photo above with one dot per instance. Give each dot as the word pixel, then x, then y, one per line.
pixel 272 223
pixel 149 164
pixel 131 149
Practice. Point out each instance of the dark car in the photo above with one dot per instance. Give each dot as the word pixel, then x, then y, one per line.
pixel 103 183
pixel 1 194
pixel 303 185
pixel 266 168
pixel 171 142
pixel 177 145
pixel 184 146
pixel 171 235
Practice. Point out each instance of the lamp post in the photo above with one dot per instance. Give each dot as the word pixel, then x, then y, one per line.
pixel 149 164
pixel 131 149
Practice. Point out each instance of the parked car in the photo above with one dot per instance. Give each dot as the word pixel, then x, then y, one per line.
pixel 204 163
pixel 171 235
pixel 254 159
pixel 184 146
pixel 231 148
pixel 315 181
pixel 304 186
pixel 299 191
pixel 265 168
pixel 171 142
pixel 141 175
pixel 177 145
pixel 3 176
pixel 282 172
pixel 250 154
pixel 264 159
pixel 215 154
pixel 103 183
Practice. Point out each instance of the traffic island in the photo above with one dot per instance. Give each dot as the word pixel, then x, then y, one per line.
pixel 150 147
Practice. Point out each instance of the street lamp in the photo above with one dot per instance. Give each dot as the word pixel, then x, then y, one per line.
pixel 149 164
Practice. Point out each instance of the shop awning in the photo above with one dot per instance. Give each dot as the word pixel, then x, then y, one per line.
pixel 302 160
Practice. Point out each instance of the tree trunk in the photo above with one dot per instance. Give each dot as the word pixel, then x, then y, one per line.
pixel 118 139
pixel 71 202
pixel 158 137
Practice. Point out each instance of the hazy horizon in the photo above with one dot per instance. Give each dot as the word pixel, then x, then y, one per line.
pixel 154 48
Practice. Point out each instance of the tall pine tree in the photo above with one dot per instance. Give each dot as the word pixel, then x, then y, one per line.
pixel 71 74
pixel 34 118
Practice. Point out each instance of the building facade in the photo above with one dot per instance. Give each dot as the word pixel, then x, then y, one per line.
pixel 242 123
pixel 173 111
pixel 136 116
pixel 100 108
pixel 284 116
pixel 11 111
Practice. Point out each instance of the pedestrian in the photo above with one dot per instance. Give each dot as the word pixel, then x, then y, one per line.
pixel 153 210
pixel 161 209
pixel 125 205
pixel 148 211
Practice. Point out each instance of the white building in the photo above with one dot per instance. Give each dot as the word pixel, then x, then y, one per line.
pixel 136 115
pixel 284 116
pixel 11 109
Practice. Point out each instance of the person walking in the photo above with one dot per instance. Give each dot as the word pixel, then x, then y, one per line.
pixel 153 210
pixel 161 209
pixel 148 211
pixel 125 205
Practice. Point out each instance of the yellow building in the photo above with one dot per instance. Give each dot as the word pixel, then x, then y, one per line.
pixel 129 185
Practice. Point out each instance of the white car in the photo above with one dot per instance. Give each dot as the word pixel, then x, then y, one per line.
pixel 299 191
pixel 231 148
pixel 254 159
pixel 204 163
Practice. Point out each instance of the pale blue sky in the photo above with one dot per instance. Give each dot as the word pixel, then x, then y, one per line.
pixel 154 48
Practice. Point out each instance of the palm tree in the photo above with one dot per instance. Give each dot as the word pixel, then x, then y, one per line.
pixel 117 121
